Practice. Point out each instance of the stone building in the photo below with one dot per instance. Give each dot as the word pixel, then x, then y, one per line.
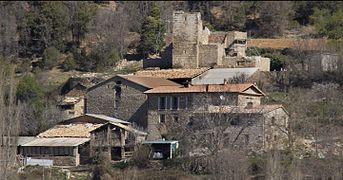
pixel 177 103
pixel 219 102
pixel 123 97
pixel 73 91
pixel 194 46
pixel 77 140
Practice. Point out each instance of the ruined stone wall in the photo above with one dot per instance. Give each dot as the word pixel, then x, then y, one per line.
pixel 276 123
pixel 204 36
pixel 164 62
pixel 262 63
pixel 79 108
pixel 130 107
pixel 209 55
pixel 187 31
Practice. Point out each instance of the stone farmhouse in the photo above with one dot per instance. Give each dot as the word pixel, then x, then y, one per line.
pixel 123 97
pixel 77 140
pixel 156 103
pixel 73 93
pixel 237 106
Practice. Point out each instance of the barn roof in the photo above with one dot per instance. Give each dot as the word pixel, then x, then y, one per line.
pixel 69 130
pixel 145 81
pixel 56 142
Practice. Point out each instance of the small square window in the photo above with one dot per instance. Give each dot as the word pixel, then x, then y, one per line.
pixel 162 118
pixel 176 119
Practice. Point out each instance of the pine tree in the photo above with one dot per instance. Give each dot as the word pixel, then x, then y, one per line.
pixel 152 34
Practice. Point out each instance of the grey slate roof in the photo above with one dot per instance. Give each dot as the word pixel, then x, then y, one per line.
pixel 217 76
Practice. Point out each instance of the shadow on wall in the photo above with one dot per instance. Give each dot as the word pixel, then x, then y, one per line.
pixel 141 115
pixel 164 62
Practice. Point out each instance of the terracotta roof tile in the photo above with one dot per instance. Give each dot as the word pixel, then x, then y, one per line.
pixel 149 82
pixel 173 73
pixel 217 37
pixel 239 88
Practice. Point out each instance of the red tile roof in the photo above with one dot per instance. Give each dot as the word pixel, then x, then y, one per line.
pixel 149 82
pixel 173 73
pixel 238 88
pixel 217 37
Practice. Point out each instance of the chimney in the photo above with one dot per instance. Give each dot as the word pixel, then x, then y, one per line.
pixel 186 84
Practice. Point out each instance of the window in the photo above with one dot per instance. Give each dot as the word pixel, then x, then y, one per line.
pixel 176 119
pixel 162 103
pixel 117 94
pixel 174 103
pixel 186 102
pixel 234 121
pixel 246 139
pixel 273 121
pixel 162 118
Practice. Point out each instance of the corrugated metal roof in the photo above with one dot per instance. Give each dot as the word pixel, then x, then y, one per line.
pixel 217 76
pixel 160 142
pixel 173 73
pixel 53 142
pixel 25 139
pixel 108 118
pixel 234 88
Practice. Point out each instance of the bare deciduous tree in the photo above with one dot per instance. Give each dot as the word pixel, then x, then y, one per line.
pixel 9 121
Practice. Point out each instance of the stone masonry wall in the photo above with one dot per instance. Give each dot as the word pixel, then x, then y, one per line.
pixel 275 135
pixel 132 105
pixel 187 30
pixel 155 128
pixel 208 55
pixel 195 102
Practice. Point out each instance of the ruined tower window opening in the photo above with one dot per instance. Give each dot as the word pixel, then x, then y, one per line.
pixel 162 103
pixel 273 121
pixel 162 118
